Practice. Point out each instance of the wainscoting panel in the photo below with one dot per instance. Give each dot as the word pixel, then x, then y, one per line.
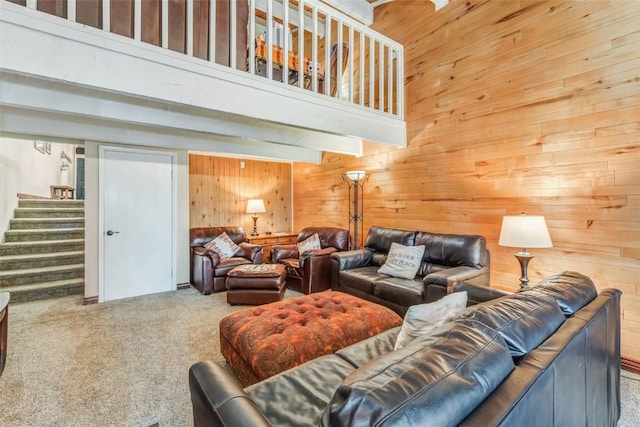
pixel 219 189
pixel 510 106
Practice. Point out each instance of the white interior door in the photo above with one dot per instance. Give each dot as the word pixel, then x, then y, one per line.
pixel 137 222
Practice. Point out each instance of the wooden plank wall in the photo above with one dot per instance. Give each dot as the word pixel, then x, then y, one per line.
pixel 219 189
pixel 511 106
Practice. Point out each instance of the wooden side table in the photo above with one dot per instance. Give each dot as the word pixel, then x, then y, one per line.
pixel 268 240
pixel 62 192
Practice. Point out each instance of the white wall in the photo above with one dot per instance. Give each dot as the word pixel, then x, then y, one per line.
pixel 91 208
pixel 23 169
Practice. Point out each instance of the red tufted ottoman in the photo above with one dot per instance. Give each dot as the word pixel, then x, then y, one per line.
pixel 263 341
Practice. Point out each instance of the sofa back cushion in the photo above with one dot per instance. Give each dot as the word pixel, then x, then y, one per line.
pixel 379 240
pixel 453 250
pixel 202 235
pixel 436 380
pixel 569 289
pixel 330 237
pixel 524 319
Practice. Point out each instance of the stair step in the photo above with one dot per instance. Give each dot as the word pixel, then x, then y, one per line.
pixel 43 234
pixel 19 262
pixel 46 203
pixel 43 274
pixel 45 223
pixel 48 212
pixel 40 247
pixel 53 289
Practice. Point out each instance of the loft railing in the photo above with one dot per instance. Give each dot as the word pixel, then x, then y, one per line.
pixel 294 43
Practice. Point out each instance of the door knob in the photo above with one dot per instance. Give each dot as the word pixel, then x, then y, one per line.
pixel 111 233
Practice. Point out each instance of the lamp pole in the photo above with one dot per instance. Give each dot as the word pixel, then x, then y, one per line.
pixel 356 180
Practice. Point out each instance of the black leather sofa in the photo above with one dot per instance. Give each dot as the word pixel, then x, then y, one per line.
pixel 548 356
pixel 447 259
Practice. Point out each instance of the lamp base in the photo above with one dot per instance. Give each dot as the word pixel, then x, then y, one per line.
pixel 523 258
pixel 255 226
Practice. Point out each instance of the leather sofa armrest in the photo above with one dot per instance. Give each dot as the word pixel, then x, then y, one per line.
pixel 279 252
pixel 251 252
pixel 440 283
pixel 309 255
pixel 218 399
pixel 351 259
pixel 478 293
pixel 203 263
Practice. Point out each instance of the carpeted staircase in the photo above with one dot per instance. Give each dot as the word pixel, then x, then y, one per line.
pixel 43 253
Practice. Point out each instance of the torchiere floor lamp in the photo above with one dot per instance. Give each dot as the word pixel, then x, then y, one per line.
pixel 356 180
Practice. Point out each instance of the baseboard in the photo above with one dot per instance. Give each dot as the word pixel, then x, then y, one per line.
pixel 630 365
pixel 90 300
pixel 23 196
pixel 182 286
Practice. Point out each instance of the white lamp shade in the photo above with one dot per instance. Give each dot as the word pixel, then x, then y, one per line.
pixel 355 175
pixel 524 231
pixel 255 206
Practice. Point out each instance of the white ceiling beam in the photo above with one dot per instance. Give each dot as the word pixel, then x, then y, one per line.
pixel 48 125
pixel 37 94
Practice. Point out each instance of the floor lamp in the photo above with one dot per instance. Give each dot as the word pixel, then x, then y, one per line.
pixel 524 231
pixel 356 180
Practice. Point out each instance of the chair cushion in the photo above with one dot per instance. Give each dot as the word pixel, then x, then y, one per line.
pixel 379 239
pixel 223 246
pixel 309 244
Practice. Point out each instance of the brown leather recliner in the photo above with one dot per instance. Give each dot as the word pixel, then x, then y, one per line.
pixel 208 271
pixel 311 271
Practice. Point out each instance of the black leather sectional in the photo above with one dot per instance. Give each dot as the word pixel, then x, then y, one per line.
pixel 548 356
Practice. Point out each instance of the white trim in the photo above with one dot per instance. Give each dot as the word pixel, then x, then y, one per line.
pixel 174 212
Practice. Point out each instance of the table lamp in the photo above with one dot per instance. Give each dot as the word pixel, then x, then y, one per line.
pixel 255 206
pixel 524 231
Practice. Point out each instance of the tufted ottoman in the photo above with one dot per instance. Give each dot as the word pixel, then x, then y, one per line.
pixel 262 341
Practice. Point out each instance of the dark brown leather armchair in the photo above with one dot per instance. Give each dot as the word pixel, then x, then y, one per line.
pixel 208 271
pixel 311 272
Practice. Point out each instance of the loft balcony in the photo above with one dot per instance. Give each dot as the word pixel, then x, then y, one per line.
pixel 284 79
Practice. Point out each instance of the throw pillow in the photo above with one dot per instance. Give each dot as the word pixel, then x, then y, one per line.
pixel 423 318
pixel 402 261
pixel 223 245
pixel 311 243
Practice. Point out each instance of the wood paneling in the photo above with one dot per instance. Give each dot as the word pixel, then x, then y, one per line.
pixel 219 189
pixel 510 106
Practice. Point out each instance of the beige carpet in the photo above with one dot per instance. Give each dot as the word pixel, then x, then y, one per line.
pixel 120 363
pixel 124 363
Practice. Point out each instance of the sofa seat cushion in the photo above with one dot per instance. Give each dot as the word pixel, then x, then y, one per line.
pixel 361 278
pixel 569 289
pixel 406 292
pixel 524 319
pixel 263 341
pixel 298 397
pixel 366 350
pixel 226 265
pixel 435 381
